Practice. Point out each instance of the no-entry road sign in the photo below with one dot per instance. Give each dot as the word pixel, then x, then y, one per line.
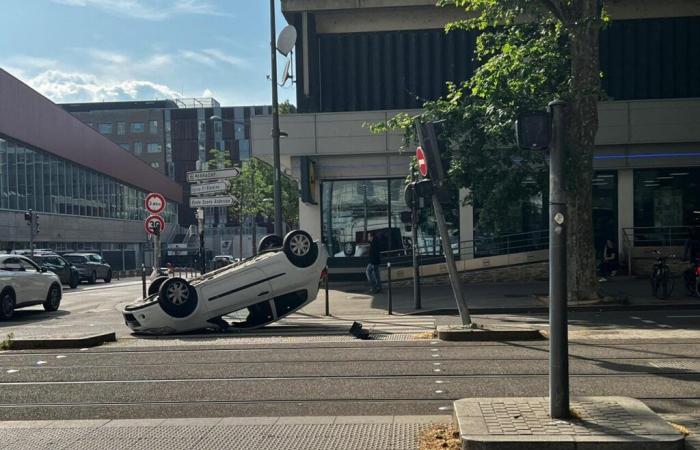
pixel 155 203
pixel 152 222
pixel 205 175
pixel 422 163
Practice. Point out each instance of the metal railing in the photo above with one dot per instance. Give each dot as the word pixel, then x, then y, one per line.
pixel 480 247
pixel 670 236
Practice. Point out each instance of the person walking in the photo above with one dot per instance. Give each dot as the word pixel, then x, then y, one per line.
pixel 608 265
pixel 372 272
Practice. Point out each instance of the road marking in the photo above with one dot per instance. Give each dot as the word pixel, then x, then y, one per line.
pixel 39 363
pixel 12 371
pixel 439 391
pixel 681 317
pixel 649 322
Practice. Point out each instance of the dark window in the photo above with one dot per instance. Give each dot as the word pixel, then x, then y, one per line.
pixel 105 128
pixel 137 127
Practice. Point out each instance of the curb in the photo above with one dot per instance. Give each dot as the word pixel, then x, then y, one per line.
pixel 545 309
pixel 55 343
pixel 451 333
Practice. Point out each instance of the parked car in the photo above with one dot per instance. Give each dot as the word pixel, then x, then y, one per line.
pixel 220 261
pixel 91 266
pixel 67 273
pixel 23 283
pixel 249 294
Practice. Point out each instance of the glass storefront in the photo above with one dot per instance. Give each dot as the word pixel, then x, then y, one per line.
pixel 351 209
pixel 32 179
pixel 604 204
pixel 666 197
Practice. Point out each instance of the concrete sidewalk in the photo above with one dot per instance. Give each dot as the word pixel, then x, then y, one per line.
pixel 508 297
pixel 244 433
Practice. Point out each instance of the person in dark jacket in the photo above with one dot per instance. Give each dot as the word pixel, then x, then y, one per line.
pixel 691 253
pixel 372 272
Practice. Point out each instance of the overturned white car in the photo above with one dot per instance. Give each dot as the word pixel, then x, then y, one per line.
pixel 282 278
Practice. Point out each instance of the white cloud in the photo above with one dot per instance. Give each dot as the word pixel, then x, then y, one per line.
pixel 212 57
pixel 148 9
pixel 71 87
pixel 31 62
pixel 207 93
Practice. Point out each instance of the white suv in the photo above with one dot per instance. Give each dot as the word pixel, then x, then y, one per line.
pixel 249 294
pixel 23 283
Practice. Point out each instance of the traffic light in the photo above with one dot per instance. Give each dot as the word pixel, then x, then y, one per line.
pixel 28 217
pixel 36 223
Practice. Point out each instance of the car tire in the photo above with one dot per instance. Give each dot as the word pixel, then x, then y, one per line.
pixel 300 248
pixel 177 298
pixel 155 285
pixel 108 278
pixel 269 242
pixel 7 305
pixel 93 278
pixel 74 280
pixel 53 298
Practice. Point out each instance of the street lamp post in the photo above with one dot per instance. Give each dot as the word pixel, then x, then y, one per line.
pixel 275 124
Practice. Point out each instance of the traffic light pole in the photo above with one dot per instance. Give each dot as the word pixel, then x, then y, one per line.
pixel 202 253
pixel 414 252
pixel 558 341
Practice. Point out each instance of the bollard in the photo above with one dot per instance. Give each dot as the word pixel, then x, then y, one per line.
pixel 143 280
pixel 328 306
pixel 388 281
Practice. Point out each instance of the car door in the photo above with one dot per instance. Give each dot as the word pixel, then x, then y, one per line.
pixel 34 279
pixel 18 279
pixel 98 266
pixel 60 268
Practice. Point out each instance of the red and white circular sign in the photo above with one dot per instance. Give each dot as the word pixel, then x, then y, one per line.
pixel 422 163
pixel 155 203
pixel 152 222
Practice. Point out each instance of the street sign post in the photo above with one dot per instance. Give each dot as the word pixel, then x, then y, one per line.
pixel 209 188
pixel 152 222
pixel 206 175
pixel 213 202
pixel 155 203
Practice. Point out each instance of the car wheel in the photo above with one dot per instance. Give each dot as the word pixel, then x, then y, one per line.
pixel 7 305
pixel 269 242
pixel 93 278
pixel 108 278
pixel 299 248
pixel 154 287
pixel 74 280
pixel 53 298
pixel 177 298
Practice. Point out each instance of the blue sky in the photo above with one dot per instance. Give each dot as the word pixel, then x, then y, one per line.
pixel 106 50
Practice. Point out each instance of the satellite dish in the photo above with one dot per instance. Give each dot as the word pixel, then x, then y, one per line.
pixel 287 74
pixel 286 40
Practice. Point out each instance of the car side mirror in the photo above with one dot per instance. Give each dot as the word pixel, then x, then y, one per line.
pixel 43 269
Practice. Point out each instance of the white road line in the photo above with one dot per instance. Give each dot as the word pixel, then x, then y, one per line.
pixel 681 317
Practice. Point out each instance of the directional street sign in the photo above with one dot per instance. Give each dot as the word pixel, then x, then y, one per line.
pixel 209 188
pixel 150 224
pixel 206 175
pixel 205 202
pixel 155 203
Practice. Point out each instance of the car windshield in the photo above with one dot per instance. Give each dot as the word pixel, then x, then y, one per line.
pixel 75 259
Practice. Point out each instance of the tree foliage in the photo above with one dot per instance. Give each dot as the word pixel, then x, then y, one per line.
pixel 527 53
pixel 255 190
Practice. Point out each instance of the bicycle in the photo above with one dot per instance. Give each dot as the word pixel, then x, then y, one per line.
pixel 662 282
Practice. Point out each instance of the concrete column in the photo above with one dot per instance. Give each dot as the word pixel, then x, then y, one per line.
pixel 625 207
pixel 310 215
pixel 466 225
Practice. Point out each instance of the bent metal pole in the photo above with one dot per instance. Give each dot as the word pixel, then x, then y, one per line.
pixel 558 342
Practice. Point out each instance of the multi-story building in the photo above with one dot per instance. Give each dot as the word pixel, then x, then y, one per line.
pixel 173 136
pixel 362 62
pixel 88 192
pixel 137 127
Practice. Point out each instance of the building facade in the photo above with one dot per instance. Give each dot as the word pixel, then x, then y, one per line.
pixel 89 193
pixel 363 62
pixel 175 137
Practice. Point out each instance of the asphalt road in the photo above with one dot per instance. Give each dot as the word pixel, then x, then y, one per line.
pixel 355 378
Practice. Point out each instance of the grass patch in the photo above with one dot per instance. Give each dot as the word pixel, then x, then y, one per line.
pixel 6 343
pixel 426 335
pixel 440 437
pixel 680 428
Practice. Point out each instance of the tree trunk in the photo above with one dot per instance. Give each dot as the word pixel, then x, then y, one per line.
pixel 584 28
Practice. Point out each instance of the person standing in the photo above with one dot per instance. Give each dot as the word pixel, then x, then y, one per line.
pixel 372 272
pixel 608 266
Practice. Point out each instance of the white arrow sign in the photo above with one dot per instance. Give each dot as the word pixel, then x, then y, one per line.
pixel 206 175
pixel 209 188
pixel 204 202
